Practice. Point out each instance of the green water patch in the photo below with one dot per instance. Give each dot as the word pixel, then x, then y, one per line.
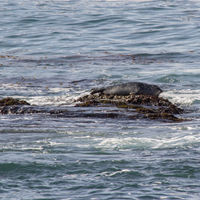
pixel 178 78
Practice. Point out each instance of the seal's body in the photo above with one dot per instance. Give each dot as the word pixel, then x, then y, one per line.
pixel 125 89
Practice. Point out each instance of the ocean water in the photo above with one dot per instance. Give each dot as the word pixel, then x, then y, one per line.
pixel 52 52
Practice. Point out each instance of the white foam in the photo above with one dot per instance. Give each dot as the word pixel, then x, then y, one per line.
pixel 178 141
pixel 149 143
pixel 67 99
pixel 53 100
pixel 13 86
pixel 43 96
pixel 116 172
pixel 183 97
pixel 58 90
pixel 126 143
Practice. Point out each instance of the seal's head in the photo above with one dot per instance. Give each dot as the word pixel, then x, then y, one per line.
pixel 156 90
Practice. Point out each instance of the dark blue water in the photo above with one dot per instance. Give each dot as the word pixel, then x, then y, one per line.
pixel 53 51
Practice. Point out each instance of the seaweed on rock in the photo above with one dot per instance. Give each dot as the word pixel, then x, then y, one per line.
pixel 9 101
pixel 106 106
pixel 147 106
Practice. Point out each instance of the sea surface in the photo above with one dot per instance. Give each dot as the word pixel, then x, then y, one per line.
pixel 54 51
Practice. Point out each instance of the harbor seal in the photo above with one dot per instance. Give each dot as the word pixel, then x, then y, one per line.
pixel 125 89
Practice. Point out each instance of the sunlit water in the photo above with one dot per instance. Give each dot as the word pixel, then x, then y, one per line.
pixel 53 51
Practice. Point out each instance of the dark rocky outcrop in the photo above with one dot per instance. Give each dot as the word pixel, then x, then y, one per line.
pixel 146 106
pixel 128 105
pixel 11 105
pixel 9 101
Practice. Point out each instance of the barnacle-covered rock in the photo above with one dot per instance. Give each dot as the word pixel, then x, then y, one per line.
pixel 147 106
pixel 9 101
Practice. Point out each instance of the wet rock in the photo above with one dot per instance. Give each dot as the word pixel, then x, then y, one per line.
pixel 9 101
pixel 131 107
pixel 146 106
